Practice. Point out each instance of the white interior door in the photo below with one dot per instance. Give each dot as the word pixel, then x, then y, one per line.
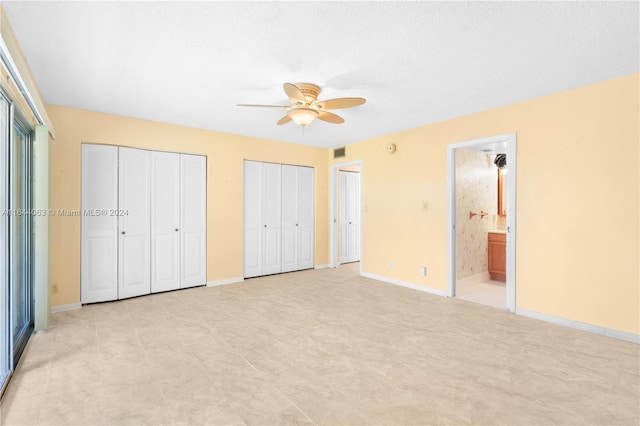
pixel 353 217
pixel 193 220
pixel 290 225
pixel 306 208
pixel 99 236
pixel 349 216
pixel 253 223
pixel 134 259
pixel 343 217
pixel 272 218
pixel 165 221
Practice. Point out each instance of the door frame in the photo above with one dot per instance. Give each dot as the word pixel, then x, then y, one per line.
pixel 511 142
pixel 333 217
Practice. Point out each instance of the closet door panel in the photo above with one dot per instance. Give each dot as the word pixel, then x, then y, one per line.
pixel 252 217
pixel 165 262
pixel 252 253
pixel 271 254
pixel 272 217
pixel 289 249
pixel 290 192
pixel 134 265
pixel 193 218
pixel 134 223
pixel 99 237
pixel 165 221
pixel 193 263
pixel 306 208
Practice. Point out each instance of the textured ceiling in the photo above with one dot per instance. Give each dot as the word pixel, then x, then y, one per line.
pixel 416 63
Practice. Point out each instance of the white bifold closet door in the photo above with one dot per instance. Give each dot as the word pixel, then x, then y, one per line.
pixel 134 207
pixel 262 218
pixel 99 240
pixel 272 218
pixel 193 220
pixel 306 217
pixel 253 224
pixel 165 221
pixel 144 222
pixel 278 218
pixel 297 218
pixel 349 214
pixel 178 220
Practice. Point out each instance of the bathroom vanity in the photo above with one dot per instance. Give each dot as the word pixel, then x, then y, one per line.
pixel 498 255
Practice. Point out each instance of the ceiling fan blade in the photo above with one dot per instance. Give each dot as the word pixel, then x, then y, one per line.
pixel 330 117
pixel 340 103
pixel 262 106
pixel 295 95
pixel 284 120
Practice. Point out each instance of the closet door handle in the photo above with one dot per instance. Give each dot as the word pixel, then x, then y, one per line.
pixel 123 232
pixel 176 229
pixel 265 226
pixel 296 224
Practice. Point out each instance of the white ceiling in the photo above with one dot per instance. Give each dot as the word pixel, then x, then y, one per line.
pixel 416 63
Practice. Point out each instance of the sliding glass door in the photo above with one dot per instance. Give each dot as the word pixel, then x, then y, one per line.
pixel 5 335
pixel 16 239
pixel 20 228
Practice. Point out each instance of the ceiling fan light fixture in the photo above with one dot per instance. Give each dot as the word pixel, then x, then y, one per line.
pixel 309 91
pixel 305 107
pixel 302 116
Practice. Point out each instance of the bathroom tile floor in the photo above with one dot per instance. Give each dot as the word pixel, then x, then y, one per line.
pixel 317 347
pixel 490 293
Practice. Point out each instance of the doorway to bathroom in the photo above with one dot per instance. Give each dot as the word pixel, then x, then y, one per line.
pixel 481 221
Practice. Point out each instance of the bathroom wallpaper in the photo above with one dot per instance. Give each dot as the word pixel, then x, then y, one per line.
pixel 476 190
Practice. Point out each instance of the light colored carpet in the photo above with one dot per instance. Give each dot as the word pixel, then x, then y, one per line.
pixel 323 347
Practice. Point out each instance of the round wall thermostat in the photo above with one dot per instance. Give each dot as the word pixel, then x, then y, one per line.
pixel 391 148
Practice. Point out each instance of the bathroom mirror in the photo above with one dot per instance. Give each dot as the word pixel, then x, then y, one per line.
pixel 502 192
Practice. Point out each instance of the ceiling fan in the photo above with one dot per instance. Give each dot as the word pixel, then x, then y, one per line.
pixel 306 107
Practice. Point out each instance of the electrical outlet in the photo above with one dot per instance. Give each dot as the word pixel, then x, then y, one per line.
pixel 54 288
pixel 422 271
pixel 392 265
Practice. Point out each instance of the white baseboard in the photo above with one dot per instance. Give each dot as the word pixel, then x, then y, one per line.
pixel 225 281
pixel 404 284
pixel 63 308
pixel 474 279
pixel 322 266
pixel 622 335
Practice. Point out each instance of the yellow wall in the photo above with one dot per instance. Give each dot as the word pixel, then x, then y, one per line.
pixel 577 201
pixel 225 154
pixel 577 196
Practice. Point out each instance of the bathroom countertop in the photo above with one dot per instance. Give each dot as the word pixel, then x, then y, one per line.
pixel 498 231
